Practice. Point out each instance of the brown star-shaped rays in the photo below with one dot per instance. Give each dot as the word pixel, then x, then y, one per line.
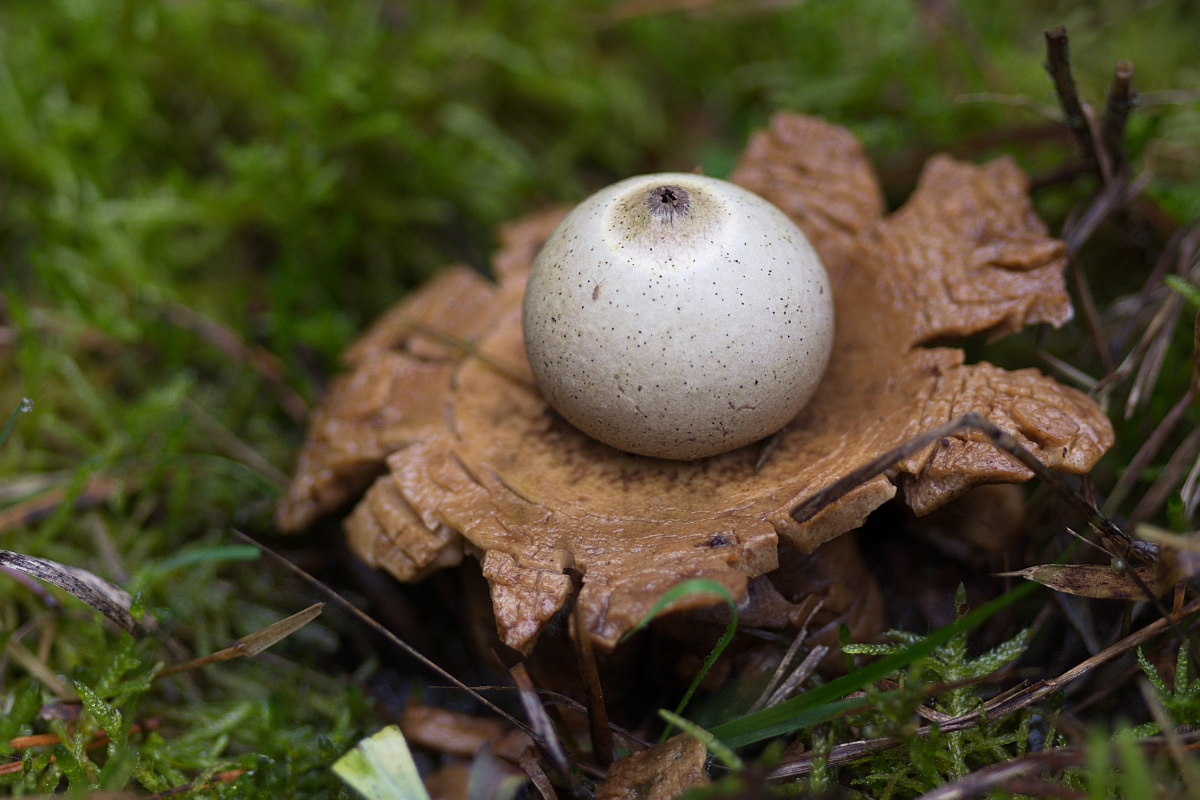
pixel 477 462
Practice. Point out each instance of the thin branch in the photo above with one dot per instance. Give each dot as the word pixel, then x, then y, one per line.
pixel 1121 100
pixel 1058 64
pixel 999 439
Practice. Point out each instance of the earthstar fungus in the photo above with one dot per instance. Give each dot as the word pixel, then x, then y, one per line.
pixel 477 463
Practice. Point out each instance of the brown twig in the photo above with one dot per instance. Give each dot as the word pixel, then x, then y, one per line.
pixel 999 439
pixel 598 725
pixel 529 763
pixel 1121 100
pixel 1058 64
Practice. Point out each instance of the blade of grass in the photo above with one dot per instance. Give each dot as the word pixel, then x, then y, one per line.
pixel 690 588
pixel 723 753
pixel 23 407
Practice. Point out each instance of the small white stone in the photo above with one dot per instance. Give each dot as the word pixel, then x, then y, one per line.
pixel 677 316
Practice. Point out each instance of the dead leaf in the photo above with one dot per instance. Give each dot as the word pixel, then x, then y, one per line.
pixel 111 601
pixel 477 461
pixel 662 772
pixel 461 735
pixel 450 782
pixel 252 644
pixel 1091 580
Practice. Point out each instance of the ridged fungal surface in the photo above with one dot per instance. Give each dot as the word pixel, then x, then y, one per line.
pixel 439 417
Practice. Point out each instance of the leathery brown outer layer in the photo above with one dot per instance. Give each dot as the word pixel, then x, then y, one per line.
pixel 477 463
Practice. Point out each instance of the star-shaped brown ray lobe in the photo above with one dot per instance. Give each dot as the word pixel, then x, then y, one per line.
pixel 1059 425
pixel 818 175
pixel 387 533
pixel 967 255
pixel 394 395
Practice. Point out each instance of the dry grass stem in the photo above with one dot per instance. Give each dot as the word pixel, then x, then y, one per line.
pixel 262 361
pixel 1168 479
pixel 548 742
pixel 383 631
pixel 793 648
pixel 802 673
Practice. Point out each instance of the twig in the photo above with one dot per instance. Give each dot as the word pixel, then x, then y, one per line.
pixel 1058 64
pixel 598 726
pixel 999 439
pixel 985 780
pixel 374 625
pixel 1121 100
pixel 533 770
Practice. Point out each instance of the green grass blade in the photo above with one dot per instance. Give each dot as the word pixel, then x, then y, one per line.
pixel 818 705
pixel 23 407
pixel 1184 288
pixel 689 588
pixel 723 753
pixel 225 552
